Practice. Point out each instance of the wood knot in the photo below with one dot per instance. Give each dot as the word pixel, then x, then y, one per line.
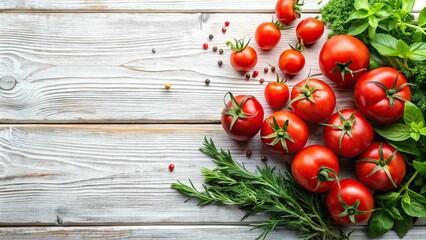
pixel 7 83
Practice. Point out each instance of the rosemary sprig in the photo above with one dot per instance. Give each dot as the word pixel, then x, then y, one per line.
pixel 266 190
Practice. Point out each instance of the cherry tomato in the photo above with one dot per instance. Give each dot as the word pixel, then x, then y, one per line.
pixel 348 133
pixel 268 34
pixel 313 100
pixel 381 167
pixel 243 57
pixel 314 167
pixel 284 132
pixel 355 204
pixel 242 117
pixel 309 30
pixel 343 59
pixel 276 93
pixel 291 61
pixel 380 95
pixel 288 10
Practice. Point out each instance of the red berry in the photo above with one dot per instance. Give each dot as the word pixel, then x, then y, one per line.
pixel 224 29
pixel 255 73
pixel 205 46
pixel 227 23
pixel 171 167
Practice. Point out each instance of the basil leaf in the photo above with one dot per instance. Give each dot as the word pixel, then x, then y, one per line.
pixel 412 113
pixel 358 27
pixel 402 227
pixel 420 166
pixel 385 44
pixel 423 190
pixel 407 146
pixel 394 213
pixel 394 132
pixel 359 14
pixel 372 32
pixel 408 5
pixel 358 4
pixel 415 136
pixel 417 51
pixel 414 204
pixel 380 223
pixel 422 17
pixel 402 48
pixel 389 196
pixel 385 11
pixel 418 36
pixel 388 24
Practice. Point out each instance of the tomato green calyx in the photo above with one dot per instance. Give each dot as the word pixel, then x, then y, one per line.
pixel 300 47
pixel 343 68
pixel 281 80
pixel 298 6
pixel 239 44
pixel 307 92
pixel 279 25
pixel 346 127
pixel 391 93
pixel 326 174
pixel 382 164
pixel 280 134
pixel 236 110
pixel 349 210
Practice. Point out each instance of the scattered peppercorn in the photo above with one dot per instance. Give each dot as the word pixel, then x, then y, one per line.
pixel 273 69
pixel 205 46
pixel 171 167
pixel 211 36
pixel 227 23
pixel 266 69
pixel 167 86
pixel 220 51
pixel 154 50
pixel 214 48
pixel 255 74
pixel 249 153
pixel 220 63
pixel 224 29
pixel 247 76
pixel 262 80
pixel 207 81
pixel 263 158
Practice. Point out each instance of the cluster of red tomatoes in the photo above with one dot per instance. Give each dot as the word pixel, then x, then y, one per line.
pixel 379 95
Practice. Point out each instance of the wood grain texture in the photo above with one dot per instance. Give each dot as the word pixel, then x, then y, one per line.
pixel 170 232
pixel 99 67
pixel 158 5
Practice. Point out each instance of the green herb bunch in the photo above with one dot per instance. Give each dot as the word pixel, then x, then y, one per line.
pixel 265 191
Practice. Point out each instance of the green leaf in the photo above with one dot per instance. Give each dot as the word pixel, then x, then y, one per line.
pixel 358 27
pixel 402 227
pixel 407 146
pixel 388 24
pixel 423 190
pixel 423 131
pixel 380 223
pixel 420 167
pixel 359 14
pixel 373 21
pixel 385 11
pixel 394 132
pixel 385 44
pixel 402 48
pixel 418 36
pixel 389 196
pixel 412 114
pixel 414 204
pixel 422 17
pixel 394 213
pixel 417 51
pixel 415 136
pixel 359 4
pixel 408 5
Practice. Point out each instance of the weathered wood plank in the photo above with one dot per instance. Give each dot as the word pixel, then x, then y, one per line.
pixel 170 232
pixel 158 6
pixel 100 68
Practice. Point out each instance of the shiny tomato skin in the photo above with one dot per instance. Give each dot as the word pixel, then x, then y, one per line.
pixel 321 109
pixel 379 181
pixel 350 190
pixel 362 133
pixel 306 164
pixel 296 128
pixel 372 100
pixel 291 61
pixel 285 11
pixel 267 36
pixel 244 60
pixel 276 94
pixel 310 30
pixel 244 128
pixel 342 49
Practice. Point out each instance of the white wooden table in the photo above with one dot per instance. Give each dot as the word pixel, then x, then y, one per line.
pixel 88 132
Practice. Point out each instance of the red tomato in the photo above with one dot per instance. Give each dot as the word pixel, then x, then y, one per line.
pixel 243 57
pixel 291 61
pixel 309 168
pixel 313 100
pixel 348 133
pixel 343 59
pixel 242 117
pixel 284 132
pixel 309 30
pixel 268 35
pixel 380 95
pixel 381 167
pixel 355 206
pixel 288 10
pixel 276 93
